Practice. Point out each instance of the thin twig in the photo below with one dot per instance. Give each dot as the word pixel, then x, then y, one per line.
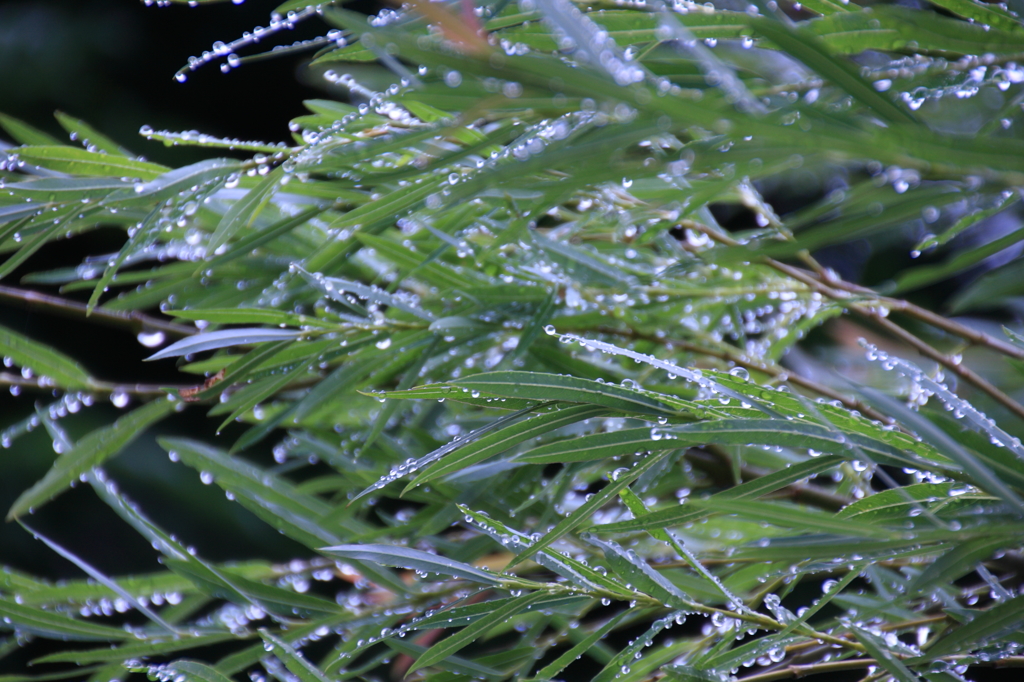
pixel 738 358
pixel 133 319
pixel 857 663
pixel 9 379
pixel 872 312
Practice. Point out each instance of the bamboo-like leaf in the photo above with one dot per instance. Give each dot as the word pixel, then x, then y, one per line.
pixel 924 275
pixel 751 489
pixel 720 432
pixel 412 559
pixel 983 13
pixel 456 664
pixel 224 339
pixel 569 657
pixel 25 134
pixel 811 52
pixel 544 387
pixel 244 211
pixel 93 164
pixel 876 646
pixel 45 362
pixel 89 136
pixel 162 185
pixel 451 645
pixel 586 510
pixel 475 451
pixel 638 573
pixel 896 503
pixel 335 287
pixel 996 621
pixel 192 671
pixel 460 616
pixel 791 517
pixel 134 650
pixel 91 451
pixel 954 564
pixel 57 625
pixel 293 660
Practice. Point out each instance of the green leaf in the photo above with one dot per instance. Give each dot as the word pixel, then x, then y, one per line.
pixel 546 387
pixel 457 664
pixel 681 514
pixel 165 184
pixel 876 646
pixel 89 136
pixel 135 650
pixel 955 563
pixel 57 625
pixel 896 503
pixel 583 514
pixel 983 13
pixel 244 211
pixel 92 164
pixel 812 52
pixel 720 432
pixel 91 451
pixel 335 288
pixel 224 339
pixel 293 660
pixel 790 517
pixel 473 451
pixel 638 573
pixel 451 645
pixel 45 362
pixel 192 671
pixel 412 559
pixel 1001 619
pixel 569 657
pixel 922 276
pixel 25 134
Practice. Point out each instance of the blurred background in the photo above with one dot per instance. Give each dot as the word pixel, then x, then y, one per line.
pixel 111 63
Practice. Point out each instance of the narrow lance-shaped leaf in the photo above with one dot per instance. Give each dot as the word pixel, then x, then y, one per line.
pixel 244 211
pixel 495 443
pixel 808 49
pixel 718 432
pixel 91 451
pixel 998 620
pixel 587 509
pixel 412 559
pixel 58 626
pixel 569 657
pixel 224 338
pixel 538 386
pixel 89 136
pixel 190 671
pixel 45 362
pixel 450 645
pixel 876 646
pixel 292 658
pixel 25 134
pixel 83 162
pixel 680 514
pixel 791 517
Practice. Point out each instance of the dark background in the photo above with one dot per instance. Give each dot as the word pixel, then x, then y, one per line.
pixel 111 63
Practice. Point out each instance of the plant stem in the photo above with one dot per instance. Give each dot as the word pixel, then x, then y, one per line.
pixel 134 319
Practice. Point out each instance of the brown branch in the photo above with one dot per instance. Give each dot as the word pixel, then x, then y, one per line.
pixel 872 312
pixel 9 379
pixel 134 319
pixel 858 663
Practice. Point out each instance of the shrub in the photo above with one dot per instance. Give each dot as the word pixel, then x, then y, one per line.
pixel 524 330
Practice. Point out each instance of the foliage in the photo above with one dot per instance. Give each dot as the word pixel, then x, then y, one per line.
pixel 539 414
